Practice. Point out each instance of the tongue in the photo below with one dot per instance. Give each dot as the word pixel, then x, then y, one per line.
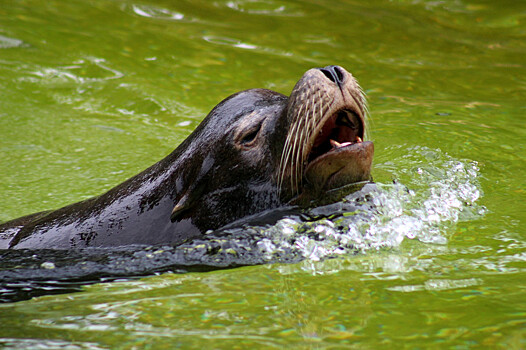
pixel 336 144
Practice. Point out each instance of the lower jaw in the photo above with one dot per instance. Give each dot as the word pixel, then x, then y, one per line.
pixel 333 178
pixel 341 167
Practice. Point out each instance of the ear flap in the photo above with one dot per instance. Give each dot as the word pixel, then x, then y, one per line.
pixel 189 199
pixel 183 205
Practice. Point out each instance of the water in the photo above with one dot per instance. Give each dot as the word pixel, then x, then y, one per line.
pixel 92 93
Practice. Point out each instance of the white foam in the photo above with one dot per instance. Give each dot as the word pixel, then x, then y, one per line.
pixel 432 192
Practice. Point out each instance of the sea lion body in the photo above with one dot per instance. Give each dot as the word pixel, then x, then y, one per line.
pixel 251 153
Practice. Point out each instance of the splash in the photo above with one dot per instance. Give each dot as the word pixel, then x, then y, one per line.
pixel 430 194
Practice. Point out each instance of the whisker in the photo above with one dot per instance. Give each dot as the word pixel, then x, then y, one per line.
pixel 285 158
pixel 288 148
pixel 306 134
pixel 297 151
pixel 285 154
pixel 301 150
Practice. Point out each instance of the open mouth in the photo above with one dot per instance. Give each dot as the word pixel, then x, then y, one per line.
pixel 324 147
pixel 344 128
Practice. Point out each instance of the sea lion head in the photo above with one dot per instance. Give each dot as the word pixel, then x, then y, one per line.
pixel 259 149
pixel 326 127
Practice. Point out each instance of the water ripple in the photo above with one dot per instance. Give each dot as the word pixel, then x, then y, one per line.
pixel 7 43
pixel 222 40
pixel 158 13
pixel 438 284
pixel 264 7
pixel 18 343
pixel 229 42
pixel 84 70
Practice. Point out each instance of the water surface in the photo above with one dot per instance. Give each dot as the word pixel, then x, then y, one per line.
pixel 94 92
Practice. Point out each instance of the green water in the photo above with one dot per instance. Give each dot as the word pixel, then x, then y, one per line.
pixel 93 92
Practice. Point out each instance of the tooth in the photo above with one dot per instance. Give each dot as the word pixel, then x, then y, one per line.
pixel 335 144
pixel 358 139
pixel 346 144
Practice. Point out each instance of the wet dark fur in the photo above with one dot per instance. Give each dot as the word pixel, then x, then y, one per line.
pixel 231 166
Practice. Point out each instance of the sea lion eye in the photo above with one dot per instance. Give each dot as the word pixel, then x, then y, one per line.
pixel 248 137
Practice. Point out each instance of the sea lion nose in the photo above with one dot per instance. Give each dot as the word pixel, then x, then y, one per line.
pixel 334 74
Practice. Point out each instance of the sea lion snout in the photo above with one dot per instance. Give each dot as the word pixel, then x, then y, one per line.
pixel 334 74
pixel 324 147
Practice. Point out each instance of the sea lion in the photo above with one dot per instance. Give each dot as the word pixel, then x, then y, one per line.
pixel 256 150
